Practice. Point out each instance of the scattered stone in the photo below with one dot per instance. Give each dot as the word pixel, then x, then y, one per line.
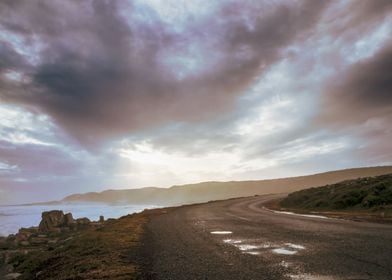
pixel 24 234
pixel 53 241
pixel 24 243
pixel 55 231
pixel 12 276
pixel 65 229
pixel 67 239
pixel 38 240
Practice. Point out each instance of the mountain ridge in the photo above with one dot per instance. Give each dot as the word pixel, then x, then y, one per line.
pixel 215 190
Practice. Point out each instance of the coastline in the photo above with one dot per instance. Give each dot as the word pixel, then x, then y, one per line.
pixel 96 250
pixel 12 218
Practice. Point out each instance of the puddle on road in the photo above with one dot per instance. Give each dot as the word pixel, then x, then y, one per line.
pixel 283 251
pixel 254 253
pixel 301 215
pixel 257 247
pixel 310 277
pixel 247 247
pixel 289 249
pixel 221 232
pixel 295 246
pixel 232 241
pixel 266 246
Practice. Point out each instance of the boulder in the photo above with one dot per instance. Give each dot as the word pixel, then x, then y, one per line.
pixel 54 221
pixel 51 220
pixel 101 219
pixel 24 234
pixel 83 221
pixel 69 220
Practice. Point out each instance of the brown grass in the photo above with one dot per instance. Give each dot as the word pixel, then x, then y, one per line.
pixel 104 253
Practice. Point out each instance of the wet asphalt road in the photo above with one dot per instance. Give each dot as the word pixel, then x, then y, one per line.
pixel 263 245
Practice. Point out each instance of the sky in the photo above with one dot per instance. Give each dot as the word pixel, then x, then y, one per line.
pixel 99 95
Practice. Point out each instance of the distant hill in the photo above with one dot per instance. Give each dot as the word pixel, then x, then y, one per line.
pixel 203 192
pixel 359 194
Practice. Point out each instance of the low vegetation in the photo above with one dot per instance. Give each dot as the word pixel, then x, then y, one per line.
pixel 107 252
pixel 371 194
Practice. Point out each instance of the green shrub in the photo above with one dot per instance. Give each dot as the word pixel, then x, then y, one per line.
pixel 360 193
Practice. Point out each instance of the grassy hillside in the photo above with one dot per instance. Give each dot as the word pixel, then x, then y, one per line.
pixel 202 192
pixel 371 193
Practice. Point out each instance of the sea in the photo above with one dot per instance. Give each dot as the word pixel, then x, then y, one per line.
pixel 12 218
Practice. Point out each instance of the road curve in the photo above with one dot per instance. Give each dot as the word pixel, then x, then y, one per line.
pixel 262 244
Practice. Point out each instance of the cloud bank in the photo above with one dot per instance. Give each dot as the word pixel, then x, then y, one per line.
pixel 101 74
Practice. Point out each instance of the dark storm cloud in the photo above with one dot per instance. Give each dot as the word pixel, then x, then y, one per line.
pixel 9 58
pixel 362 93
pixel 360 102
pixel 358 17
pixel 99 76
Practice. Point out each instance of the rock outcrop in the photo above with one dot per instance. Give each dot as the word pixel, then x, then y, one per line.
pixel 52 220
pixel 83 221
pixel 25 233
pixel 69 220
pixel 55 228
pixel 56 221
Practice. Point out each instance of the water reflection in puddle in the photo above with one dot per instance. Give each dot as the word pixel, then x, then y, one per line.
pixel 283 251
pixel 296 214
pixel 221 232
pixel 310 277
pixel 288 249
pixel 257 247
pixel 246 247
pixel 295 246
pixel 232 241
